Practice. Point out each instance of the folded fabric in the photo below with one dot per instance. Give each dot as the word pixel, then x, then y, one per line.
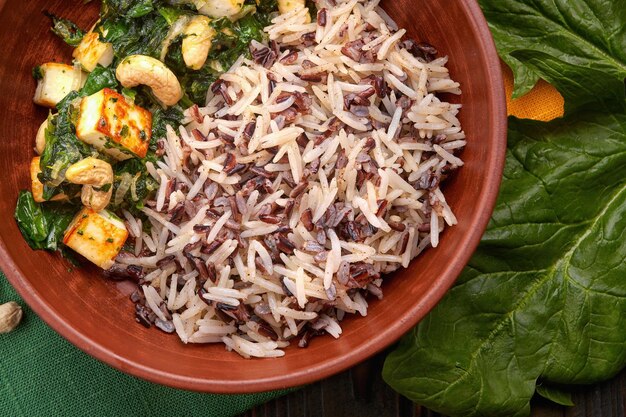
pixel 41 374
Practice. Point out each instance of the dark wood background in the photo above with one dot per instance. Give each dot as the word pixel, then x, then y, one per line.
pixel 361 392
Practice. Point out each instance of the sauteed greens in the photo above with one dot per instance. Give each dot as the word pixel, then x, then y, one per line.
pixel 133 117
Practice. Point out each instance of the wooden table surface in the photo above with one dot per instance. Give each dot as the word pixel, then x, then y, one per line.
pixel 361 392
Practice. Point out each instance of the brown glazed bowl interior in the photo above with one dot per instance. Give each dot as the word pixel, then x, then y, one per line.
pixel 97 315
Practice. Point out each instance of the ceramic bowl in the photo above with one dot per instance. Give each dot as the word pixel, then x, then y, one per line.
pixel 97 315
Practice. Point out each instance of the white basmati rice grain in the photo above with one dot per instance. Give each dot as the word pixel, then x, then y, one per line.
pixel 318 186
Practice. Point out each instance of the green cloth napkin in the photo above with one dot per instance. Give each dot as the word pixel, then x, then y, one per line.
pixel 41 374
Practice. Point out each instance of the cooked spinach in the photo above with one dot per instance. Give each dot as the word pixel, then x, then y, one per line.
pixel 163 117
pixel 99 79
pixel 231 41
pixel 544 296
pixel 42 225
pixel 131 32
pixel 37 73
pixel 63 148
pixel 264 9
pixel 132 27
pixel 195 83
pixel 144 185
pixel 67 30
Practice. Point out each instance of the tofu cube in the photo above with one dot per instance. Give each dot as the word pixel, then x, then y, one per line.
pixel 37 186
pixel 57 81
pixel 99 237
pixel 114 126
pixel 91 52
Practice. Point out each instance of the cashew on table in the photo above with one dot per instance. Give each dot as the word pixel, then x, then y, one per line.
pixel 96 177
pixel 137 70
pixel 197 42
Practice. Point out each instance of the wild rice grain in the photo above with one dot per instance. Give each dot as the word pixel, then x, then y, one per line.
pixel 314 169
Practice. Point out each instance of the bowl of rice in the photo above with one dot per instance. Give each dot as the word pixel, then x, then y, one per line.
pixel 320 203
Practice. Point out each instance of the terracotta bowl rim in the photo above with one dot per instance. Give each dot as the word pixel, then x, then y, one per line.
pixel 494 166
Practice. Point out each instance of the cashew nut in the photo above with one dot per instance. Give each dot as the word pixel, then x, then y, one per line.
pixel 197 42
pixel 10 316
pixel 219 8
pixel 141 69
pixel 96 176
pixel 40 139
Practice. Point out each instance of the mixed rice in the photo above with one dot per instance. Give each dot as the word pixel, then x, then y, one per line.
pixel 313 170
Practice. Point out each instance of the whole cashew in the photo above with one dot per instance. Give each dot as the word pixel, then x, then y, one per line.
pixel 96 176
pixel 40 139
pixel 219 8
pixel 197 42
pixel 141 69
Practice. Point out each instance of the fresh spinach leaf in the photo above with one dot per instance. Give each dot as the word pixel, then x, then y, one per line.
pixel 67 30
pixel 576 45
pixel 41 225
pixel 543 297
pixel 544 294
pixel 556 395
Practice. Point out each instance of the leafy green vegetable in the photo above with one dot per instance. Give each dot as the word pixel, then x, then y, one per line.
pixel 576 45
pixel 142 26
pixel 37 73
pixel 63 148
pixel 161 118
pixel 99 79
pixel 67 30
pixel 140 9
pixel 544 297
pixel 42 226
pixel 556 395
pixel 133 27
pixel 129 8
pixel 142 185
pixel 544 294
pixel 232 39
pixel 265 7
